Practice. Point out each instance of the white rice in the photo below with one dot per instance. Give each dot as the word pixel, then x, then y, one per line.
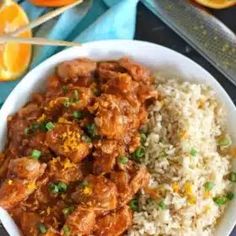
pixel 182 155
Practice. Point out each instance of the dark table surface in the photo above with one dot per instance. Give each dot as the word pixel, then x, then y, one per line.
pixel 150 28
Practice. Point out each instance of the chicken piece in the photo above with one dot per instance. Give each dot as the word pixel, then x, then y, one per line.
pixel 30 222
pixel 122 179
pixel 120 83
pixel 147 94
pixel 115 117
pixel 74 70
pixel 105 155
pixel 64 170
pixel 80 222
pixel 108 70
pixel 25 168
pixel 54 86
pixel 115 223
pixel 129 182
pixel 139 178
pixel 65 139
pixel 97 192
pixel 138 72
pixel 22 174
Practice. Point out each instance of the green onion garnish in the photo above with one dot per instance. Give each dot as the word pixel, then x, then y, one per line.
pixel 220 200
pixel 66 230
pixel 66 102
pixel 209 186
pixel 42 228
pixel 232 177
pixel 68 210
pixel 36 154
pixel 64 89
pixel 162 205
pixel 123 160
pixel 143 138
pixel 133 204
pixel 49 126
pixel 193 152
pixel 91 130
pixel 59 187
pixel 230 196
pixel 139 153
pixel 224 142
pixel 78 115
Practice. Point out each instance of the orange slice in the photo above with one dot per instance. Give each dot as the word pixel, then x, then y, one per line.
pixel 217 4
pixel 14 58
pixel 51 3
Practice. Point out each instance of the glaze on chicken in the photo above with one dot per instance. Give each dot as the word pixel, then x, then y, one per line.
pixel 72 162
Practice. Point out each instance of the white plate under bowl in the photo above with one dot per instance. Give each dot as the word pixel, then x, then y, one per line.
pixel 154 56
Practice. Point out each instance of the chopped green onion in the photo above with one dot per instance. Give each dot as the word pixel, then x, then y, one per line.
pixel 59 187
pixel 224 141
pixel 42 228
pixel 230 196
pixel 193 152
pixel 64 89
pixel 36 154
pixel 91 130
pixel 123 160
pixel 162 205
pixel 53 188
pixel 139 153
pixel 209 186
pixel 78 115
pixel 232 177
pixel 143 138
pixel 26 131
pixel 49 126
pixel 220 200
pixel 66 102
pixel 66 230
pixel 68 210
pixel 133 204
pixel 86 139
pixel 62 187
pixel 76 95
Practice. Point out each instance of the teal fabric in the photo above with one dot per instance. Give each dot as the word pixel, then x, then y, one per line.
pixel 90 21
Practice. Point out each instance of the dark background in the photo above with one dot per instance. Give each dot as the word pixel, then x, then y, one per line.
pixel 150 28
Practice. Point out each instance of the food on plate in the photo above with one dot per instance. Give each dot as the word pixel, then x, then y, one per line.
pixel 72 162
pixel 110 149
pixel 187 155
pixel 217 4
pixel 14 58
pixel 51 3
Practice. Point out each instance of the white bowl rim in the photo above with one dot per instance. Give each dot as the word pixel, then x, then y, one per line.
pixel 16 92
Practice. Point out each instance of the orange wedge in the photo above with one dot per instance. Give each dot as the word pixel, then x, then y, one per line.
pixel 14 58
pixel 217 4
pixel 51 3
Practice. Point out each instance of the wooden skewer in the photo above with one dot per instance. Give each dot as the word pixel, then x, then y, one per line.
pixel 44 18
pixel 37 41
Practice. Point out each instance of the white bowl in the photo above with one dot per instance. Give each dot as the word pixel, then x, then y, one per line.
pixel 156 57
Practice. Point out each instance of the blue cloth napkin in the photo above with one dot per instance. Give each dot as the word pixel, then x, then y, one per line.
pixel 92 20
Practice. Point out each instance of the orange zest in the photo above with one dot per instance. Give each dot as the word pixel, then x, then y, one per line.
pixel 217 4
pixel 51 3
pixel 14 57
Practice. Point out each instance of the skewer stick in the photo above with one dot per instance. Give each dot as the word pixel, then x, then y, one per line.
pixel 37 41
pixel 42 19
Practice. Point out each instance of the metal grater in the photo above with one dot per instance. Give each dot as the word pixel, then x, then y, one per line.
pixel 210 37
